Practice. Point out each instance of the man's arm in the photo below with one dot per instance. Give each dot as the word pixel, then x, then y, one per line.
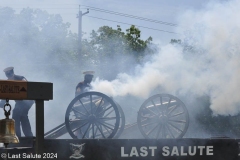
pixel 24 79
pixel 78 91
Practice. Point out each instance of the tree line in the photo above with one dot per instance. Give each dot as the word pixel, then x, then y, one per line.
pixel 46 36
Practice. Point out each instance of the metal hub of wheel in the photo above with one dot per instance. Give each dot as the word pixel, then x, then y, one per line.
pixel 163 116
pixel 92 115
pixel 92 118
pixel 163 119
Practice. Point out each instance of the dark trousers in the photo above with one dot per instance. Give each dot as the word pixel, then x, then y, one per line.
pixel 20 115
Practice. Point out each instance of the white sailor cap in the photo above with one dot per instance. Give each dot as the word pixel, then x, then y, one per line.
pixel 8 69
pixel 88 72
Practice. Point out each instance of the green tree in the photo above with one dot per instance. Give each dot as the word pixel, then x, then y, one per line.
pixel 135 45
pixel 43 40
pixel 176 41
pixel 113 45
pixel 109 41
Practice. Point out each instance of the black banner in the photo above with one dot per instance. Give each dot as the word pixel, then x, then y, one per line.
pixel 143 149
pixel 127 149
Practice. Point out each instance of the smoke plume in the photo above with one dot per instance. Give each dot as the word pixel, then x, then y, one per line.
pixel 206 62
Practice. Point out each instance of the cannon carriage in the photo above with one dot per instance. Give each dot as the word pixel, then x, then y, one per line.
pixel 94 115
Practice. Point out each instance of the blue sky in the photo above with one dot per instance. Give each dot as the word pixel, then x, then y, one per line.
pixel 166 11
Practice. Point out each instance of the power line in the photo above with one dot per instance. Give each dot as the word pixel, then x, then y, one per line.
pixel 115 13
pixel 130 16
pixel 125 15
pixel 110 12
pixel 134 25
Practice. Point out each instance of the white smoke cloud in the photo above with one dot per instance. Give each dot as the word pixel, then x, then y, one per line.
pixel 213 71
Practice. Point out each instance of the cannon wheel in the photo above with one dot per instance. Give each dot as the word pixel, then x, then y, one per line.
pixel 92 115
pixel 122 121
pixel 163 116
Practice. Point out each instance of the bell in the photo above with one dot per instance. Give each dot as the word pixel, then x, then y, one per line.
pixel 7 128
pixel 7 131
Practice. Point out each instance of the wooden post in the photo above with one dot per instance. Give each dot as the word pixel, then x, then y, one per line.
pixel 38 91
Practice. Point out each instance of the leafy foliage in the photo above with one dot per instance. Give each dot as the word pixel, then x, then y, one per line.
pixel 113 45
pixel 109 41
pixel 45 40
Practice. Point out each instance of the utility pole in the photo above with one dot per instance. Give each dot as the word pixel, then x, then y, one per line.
pixel 79 16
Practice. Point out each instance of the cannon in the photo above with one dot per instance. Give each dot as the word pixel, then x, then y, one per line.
pixel 94 115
